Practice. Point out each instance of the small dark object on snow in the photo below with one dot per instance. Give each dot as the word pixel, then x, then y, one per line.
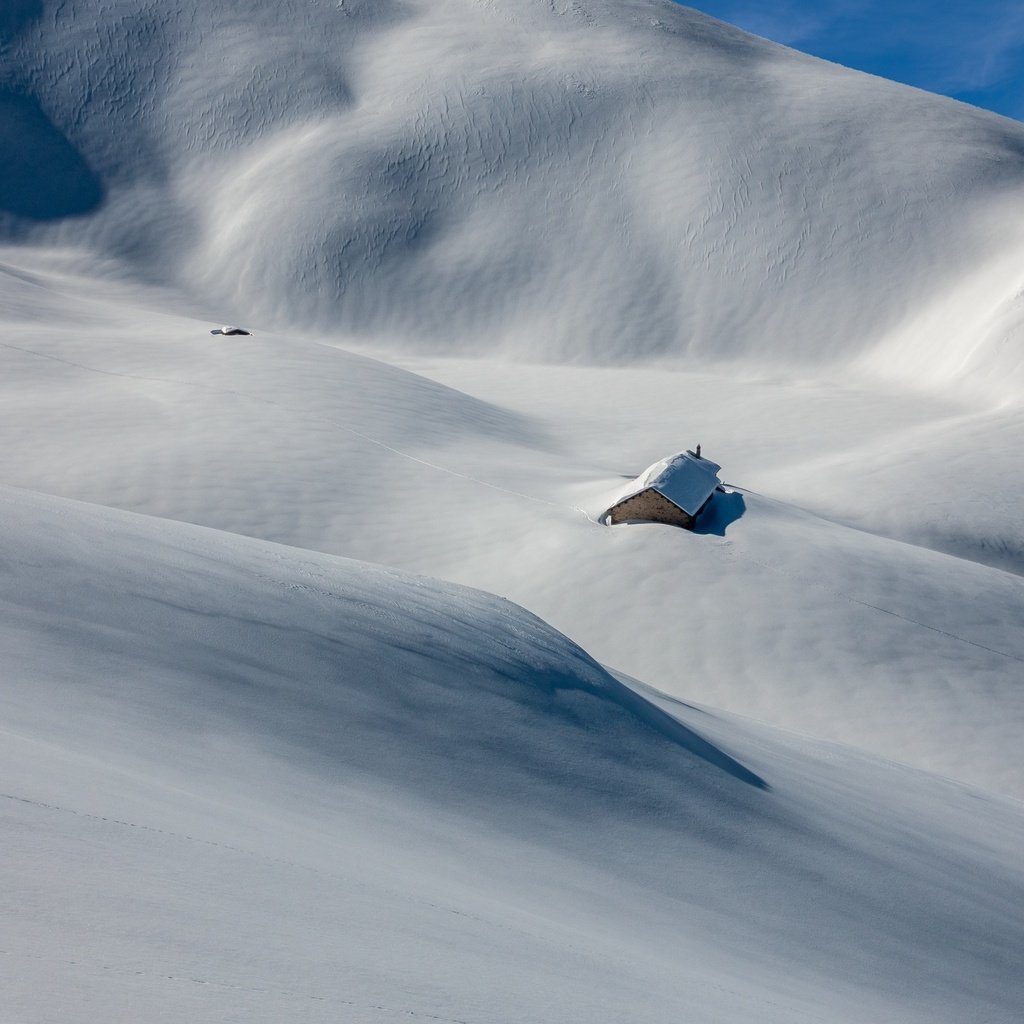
pixel 230 330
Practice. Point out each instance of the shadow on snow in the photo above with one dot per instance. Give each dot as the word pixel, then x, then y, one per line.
pixel 42 176
pixel 724 509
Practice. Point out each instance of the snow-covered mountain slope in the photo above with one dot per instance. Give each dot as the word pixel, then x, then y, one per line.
pixel 246 779
pixel 483 479
pixel 601 180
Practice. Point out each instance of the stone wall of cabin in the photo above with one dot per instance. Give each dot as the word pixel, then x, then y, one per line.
pixel 650 507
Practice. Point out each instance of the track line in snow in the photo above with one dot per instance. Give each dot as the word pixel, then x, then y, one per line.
pixel 99 967
pixel 776 568
pixel 469 478
pixel 320 419
pixel 934 629
pixel 367 888
pixel 265 857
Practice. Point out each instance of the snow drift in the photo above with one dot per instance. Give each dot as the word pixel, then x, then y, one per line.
pixel 355 667
pixel 324 785
pixel 797 619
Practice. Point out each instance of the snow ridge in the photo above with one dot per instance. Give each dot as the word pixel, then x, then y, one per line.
pixel 261 745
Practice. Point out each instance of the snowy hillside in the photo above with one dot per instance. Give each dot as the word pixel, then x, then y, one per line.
pixel 589 181
pixel 794 618
pixel 266 757
pixel 240 776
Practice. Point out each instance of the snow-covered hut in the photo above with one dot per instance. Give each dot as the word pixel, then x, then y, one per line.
pixel 673 491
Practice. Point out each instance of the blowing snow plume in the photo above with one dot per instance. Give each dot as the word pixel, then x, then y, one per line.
pixel 597 181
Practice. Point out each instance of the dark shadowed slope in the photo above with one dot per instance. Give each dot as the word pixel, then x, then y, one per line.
pixel 316 784
pixel 42 176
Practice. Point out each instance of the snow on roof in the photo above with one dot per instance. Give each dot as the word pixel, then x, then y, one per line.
pixel 685 479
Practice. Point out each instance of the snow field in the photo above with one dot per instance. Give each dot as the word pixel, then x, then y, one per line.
pixel 240 776
pixel 498 257
pixel 486 475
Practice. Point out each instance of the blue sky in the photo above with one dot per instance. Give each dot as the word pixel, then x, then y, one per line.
pixel 972 51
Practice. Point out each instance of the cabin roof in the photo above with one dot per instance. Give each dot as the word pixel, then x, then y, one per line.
pixel 686 480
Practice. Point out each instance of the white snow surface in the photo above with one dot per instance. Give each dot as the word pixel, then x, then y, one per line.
pixel 496 257
pixel 803 601
pixel 587 181
pixel 247 779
